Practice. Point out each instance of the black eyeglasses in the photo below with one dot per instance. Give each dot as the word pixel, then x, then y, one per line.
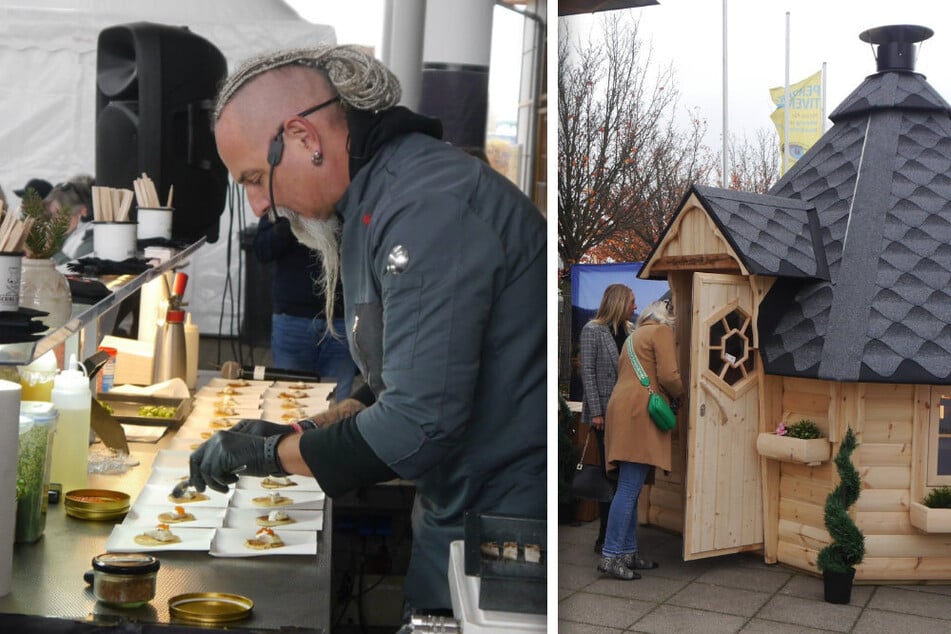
pixel 275 151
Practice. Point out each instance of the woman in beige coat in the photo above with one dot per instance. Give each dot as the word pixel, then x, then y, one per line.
pixel 635 445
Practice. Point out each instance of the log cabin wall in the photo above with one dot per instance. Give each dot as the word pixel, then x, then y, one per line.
pixel 885 418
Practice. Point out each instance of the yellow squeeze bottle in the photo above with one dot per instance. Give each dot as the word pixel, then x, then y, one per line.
pixel 72 398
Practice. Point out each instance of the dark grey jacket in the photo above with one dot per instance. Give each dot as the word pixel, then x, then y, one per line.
pixel 444 277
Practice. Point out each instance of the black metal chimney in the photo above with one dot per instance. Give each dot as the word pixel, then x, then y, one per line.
pixel 896 45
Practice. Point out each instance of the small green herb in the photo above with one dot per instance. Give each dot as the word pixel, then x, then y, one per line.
pixel 938 498
pixel 48 232
pixel 805 429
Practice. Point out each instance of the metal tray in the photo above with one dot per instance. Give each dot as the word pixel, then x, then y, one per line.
pixel 125 408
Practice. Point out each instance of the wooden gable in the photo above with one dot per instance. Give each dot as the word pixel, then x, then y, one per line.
pixel 692 242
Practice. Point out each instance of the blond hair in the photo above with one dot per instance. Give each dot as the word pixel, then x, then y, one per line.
pixel 615 307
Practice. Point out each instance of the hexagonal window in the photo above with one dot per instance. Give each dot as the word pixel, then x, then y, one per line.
pixel 730 357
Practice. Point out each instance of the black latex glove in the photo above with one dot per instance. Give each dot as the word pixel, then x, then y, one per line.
pixel 218 460
pixel 261 428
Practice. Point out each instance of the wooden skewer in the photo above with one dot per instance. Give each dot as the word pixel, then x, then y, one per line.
pixel 125 204
pixel 171 190
pixel 6 228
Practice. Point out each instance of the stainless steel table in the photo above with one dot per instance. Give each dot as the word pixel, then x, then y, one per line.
pixel 288 591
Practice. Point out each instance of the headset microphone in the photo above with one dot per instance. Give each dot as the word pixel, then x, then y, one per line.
pixel 276 149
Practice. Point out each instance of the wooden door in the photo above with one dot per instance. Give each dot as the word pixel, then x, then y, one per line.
pixel 723 508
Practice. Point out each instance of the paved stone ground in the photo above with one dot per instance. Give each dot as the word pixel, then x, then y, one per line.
pixel 733 593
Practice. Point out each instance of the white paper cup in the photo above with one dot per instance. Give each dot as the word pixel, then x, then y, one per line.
pixel 10 266
pixel 114 240
pixel 155 222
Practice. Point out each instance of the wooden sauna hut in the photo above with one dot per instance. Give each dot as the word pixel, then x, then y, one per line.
pixel 827 299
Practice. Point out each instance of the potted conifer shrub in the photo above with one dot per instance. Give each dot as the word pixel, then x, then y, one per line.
pixel 837 561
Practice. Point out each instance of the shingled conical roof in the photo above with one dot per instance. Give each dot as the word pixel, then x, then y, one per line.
pixel 880 183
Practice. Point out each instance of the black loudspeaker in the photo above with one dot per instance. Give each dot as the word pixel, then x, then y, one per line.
pixel 155 90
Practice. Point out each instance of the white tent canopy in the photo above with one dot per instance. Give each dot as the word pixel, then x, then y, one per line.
pixel 48 93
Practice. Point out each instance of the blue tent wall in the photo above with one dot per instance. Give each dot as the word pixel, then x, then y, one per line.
pixel 588 282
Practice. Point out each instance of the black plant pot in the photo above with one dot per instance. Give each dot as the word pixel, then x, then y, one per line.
pixel 838 586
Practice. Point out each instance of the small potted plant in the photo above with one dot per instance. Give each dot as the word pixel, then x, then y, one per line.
pixel 800 442
pixel 933 513
pixel 837 560
pixel 41 285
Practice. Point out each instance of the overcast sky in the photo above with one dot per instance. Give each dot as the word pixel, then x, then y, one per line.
pixel 688 33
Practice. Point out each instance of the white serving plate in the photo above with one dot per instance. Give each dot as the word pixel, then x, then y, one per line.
pixel 157 495
pixel 311 500
pixel 147 516
pixel 304 483
pixel 122 539
pixel 229 542
pixel 245 519
pixel 218 382
pixel 168 459
pixel 237 400
pixel 209 411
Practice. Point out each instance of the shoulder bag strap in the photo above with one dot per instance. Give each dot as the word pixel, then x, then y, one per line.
pixel 585 450
pixel 638 368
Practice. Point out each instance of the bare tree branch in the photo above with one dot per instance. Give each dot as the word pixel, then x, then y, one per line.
pixel 623 164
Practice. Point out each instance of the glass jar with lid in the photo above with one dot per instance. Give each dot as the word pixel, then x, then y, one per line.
pixel 125 580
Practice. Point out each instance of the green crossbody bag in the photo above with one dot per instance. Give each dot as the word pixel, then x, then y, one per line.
pixel 657 407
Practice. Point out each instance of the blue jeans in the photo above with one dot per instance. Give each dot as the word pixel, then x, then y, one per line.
pixel 303 343
pixel 621 536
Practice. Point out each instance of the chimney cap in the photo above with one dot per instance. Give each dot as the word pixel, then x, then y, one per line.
pixel 896 45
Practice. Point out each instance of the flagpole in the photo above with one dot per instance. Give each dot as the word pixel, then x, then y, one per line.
pixel 786 104
pixel 726 124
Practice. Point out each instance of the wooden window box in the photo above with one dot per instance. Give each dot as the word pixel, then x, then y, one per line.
pixel 930 520
pixel 812 451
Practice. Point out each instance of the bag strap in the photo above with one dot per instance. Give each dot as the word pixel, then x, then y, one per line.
pixel 584 451
pixel 638 368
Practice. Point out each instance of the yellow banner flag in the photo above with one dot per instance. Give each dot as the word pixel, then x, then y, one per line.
pixel 805 116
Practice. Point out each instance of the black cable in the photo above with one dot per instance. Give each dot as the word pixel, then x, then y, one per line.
pixel 361 615
pixel 226 291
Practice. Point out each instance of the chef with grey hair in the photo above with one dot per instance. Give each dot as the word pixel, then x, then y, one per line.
pixel 443 268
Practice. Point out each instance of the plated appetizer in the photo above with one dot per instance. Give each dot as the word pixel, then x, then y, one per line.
pixel 187 496
pixel 264 539
pixel 273 499
pixel 277 482
pixel 158 536
pixel 177 516
pixel 274 518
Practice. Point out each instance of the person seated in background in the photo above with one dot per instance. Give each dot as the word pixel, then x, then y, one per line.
pixel 75 195
pixel 40 186
pixel 300 337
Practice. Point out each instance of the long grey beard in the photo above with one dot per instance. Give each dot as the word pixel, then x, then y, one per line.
pixel 322 236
